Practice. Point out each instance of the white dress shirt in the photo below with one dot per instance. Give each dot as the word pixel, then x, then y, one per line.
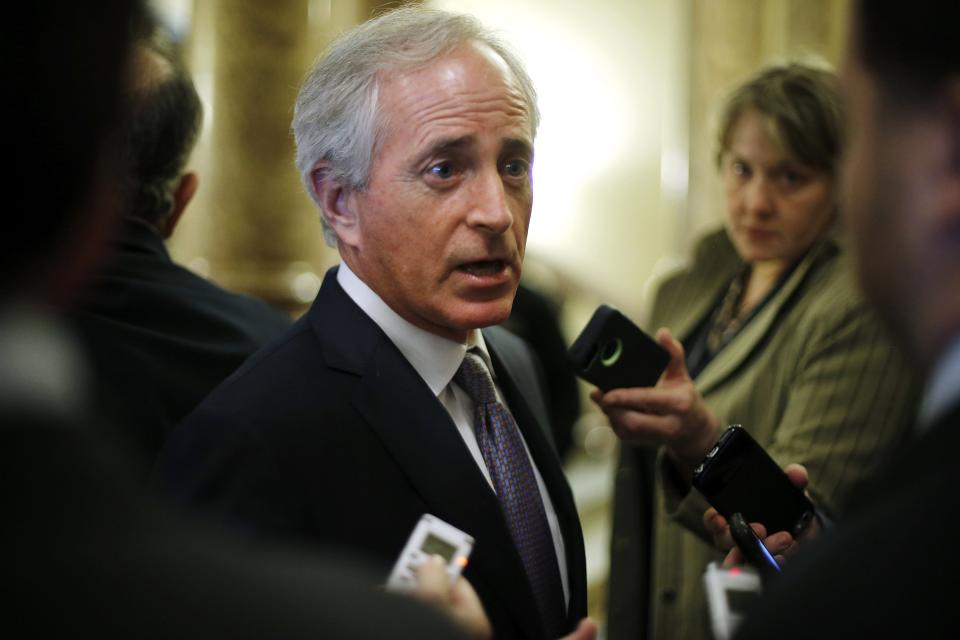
pixel 943 387
pixel 42 369
pixel 437 359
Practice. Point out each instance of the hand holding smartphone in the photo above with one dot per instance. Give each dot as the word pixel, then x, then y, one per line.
pixel 752 547
pixel 737 475
pixel 613 353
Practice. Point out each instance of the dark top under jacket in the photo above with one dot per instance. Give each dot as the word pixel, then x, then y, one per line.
pixel 160 337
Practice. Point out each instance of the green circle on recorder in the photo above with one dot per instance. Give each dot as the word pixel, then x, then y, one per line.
pixel 611 352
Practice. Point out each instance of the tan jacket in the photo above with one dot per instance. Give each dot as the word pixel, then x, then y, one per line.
pixel 815 380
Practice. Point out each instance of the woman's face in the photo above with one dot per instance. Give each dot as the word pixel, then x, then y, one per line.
pixel 776 207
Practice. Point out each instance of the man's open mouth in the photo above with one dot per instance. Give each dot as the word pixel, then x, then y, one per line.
pixel 483 267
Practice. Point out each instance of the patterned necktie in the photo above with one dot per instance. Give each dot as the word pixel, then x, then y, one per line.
pixel 513 478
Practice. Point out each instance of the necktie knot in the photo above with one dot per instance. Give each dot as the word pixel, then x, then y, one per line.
pixel 474 377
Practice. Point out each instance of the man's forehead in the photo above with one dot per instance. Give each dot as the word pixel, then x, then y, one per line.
pixel 467 68
pixel 470 49
pixel 447 100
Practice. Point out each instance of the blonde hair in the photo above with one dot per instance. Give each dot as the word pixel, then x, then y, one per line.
pixel 803 106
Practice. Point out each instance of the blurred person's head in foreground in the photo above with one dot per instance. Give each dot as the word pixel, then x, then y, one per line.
pixel 64 64
pixel 902 168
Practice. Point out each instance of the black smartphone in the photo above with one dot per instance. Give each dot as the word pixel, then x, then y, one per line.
pixel 752 547
pixel 613 353
pixel 738 475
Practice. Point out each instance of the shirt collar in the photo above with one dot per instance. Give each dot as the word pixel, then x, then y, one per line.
pixel 41 369
pixel 435 358
pixel 943 387
pixel 141 236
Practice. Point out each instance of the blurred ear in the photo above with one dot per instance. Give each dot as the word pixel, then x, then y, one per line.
pixel 336 203
pixel 182 195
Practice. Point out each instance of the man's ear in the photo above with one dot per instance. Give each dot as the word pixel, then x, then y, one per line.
pixel 337 204
pixel 182 195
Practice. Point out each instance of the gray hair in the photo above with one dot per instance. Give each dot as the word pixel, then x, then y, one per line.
pixel 336 117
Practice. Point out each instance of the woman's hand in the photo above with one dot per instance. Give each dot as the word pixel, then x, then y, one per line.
pixel 779 543
pixel 672 414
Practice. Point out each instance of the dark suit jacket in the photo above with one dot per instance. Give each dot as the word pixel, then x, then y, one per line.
pixel 161 338
pixel 85 556
pixel 890 570
pixel 534 318
pixel 330 434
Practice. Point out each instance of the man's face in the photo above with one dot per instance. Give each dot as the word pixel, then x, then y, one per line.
pixel 890 157
pixel 443 223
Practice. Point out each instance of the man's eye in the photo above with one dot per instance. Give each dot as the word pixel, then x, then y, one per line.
pixel 442 170
pixel 516 168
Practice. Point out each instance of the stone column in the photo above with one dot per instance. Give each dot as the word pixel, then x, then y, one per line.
pixel 252 227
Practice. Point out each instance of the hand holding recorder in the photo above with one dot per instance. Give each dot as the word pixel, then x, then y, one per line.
pixel 429 569
pixel 456 597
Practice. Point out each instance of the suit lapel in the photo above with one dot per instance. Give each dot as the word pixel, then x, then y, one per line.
pixel 686 301
pixel 753 335
pixel 691 304
pixel 418 433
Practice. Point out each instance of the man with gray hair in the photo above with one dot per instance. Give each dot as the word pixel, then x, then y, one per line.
pixel 386 401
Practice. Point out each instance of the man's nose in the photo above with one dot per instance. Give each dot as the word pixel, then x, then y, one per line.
pixel 490 210
pixel 759 196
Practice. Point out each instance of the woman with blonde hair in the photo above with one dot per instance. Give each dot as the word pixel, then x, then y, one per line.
pixel 766 328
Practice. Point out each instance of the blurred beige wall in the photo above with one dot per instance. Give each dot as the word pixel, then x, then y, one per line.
pixel 607 77
pixel 252 226
pixel 624 178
